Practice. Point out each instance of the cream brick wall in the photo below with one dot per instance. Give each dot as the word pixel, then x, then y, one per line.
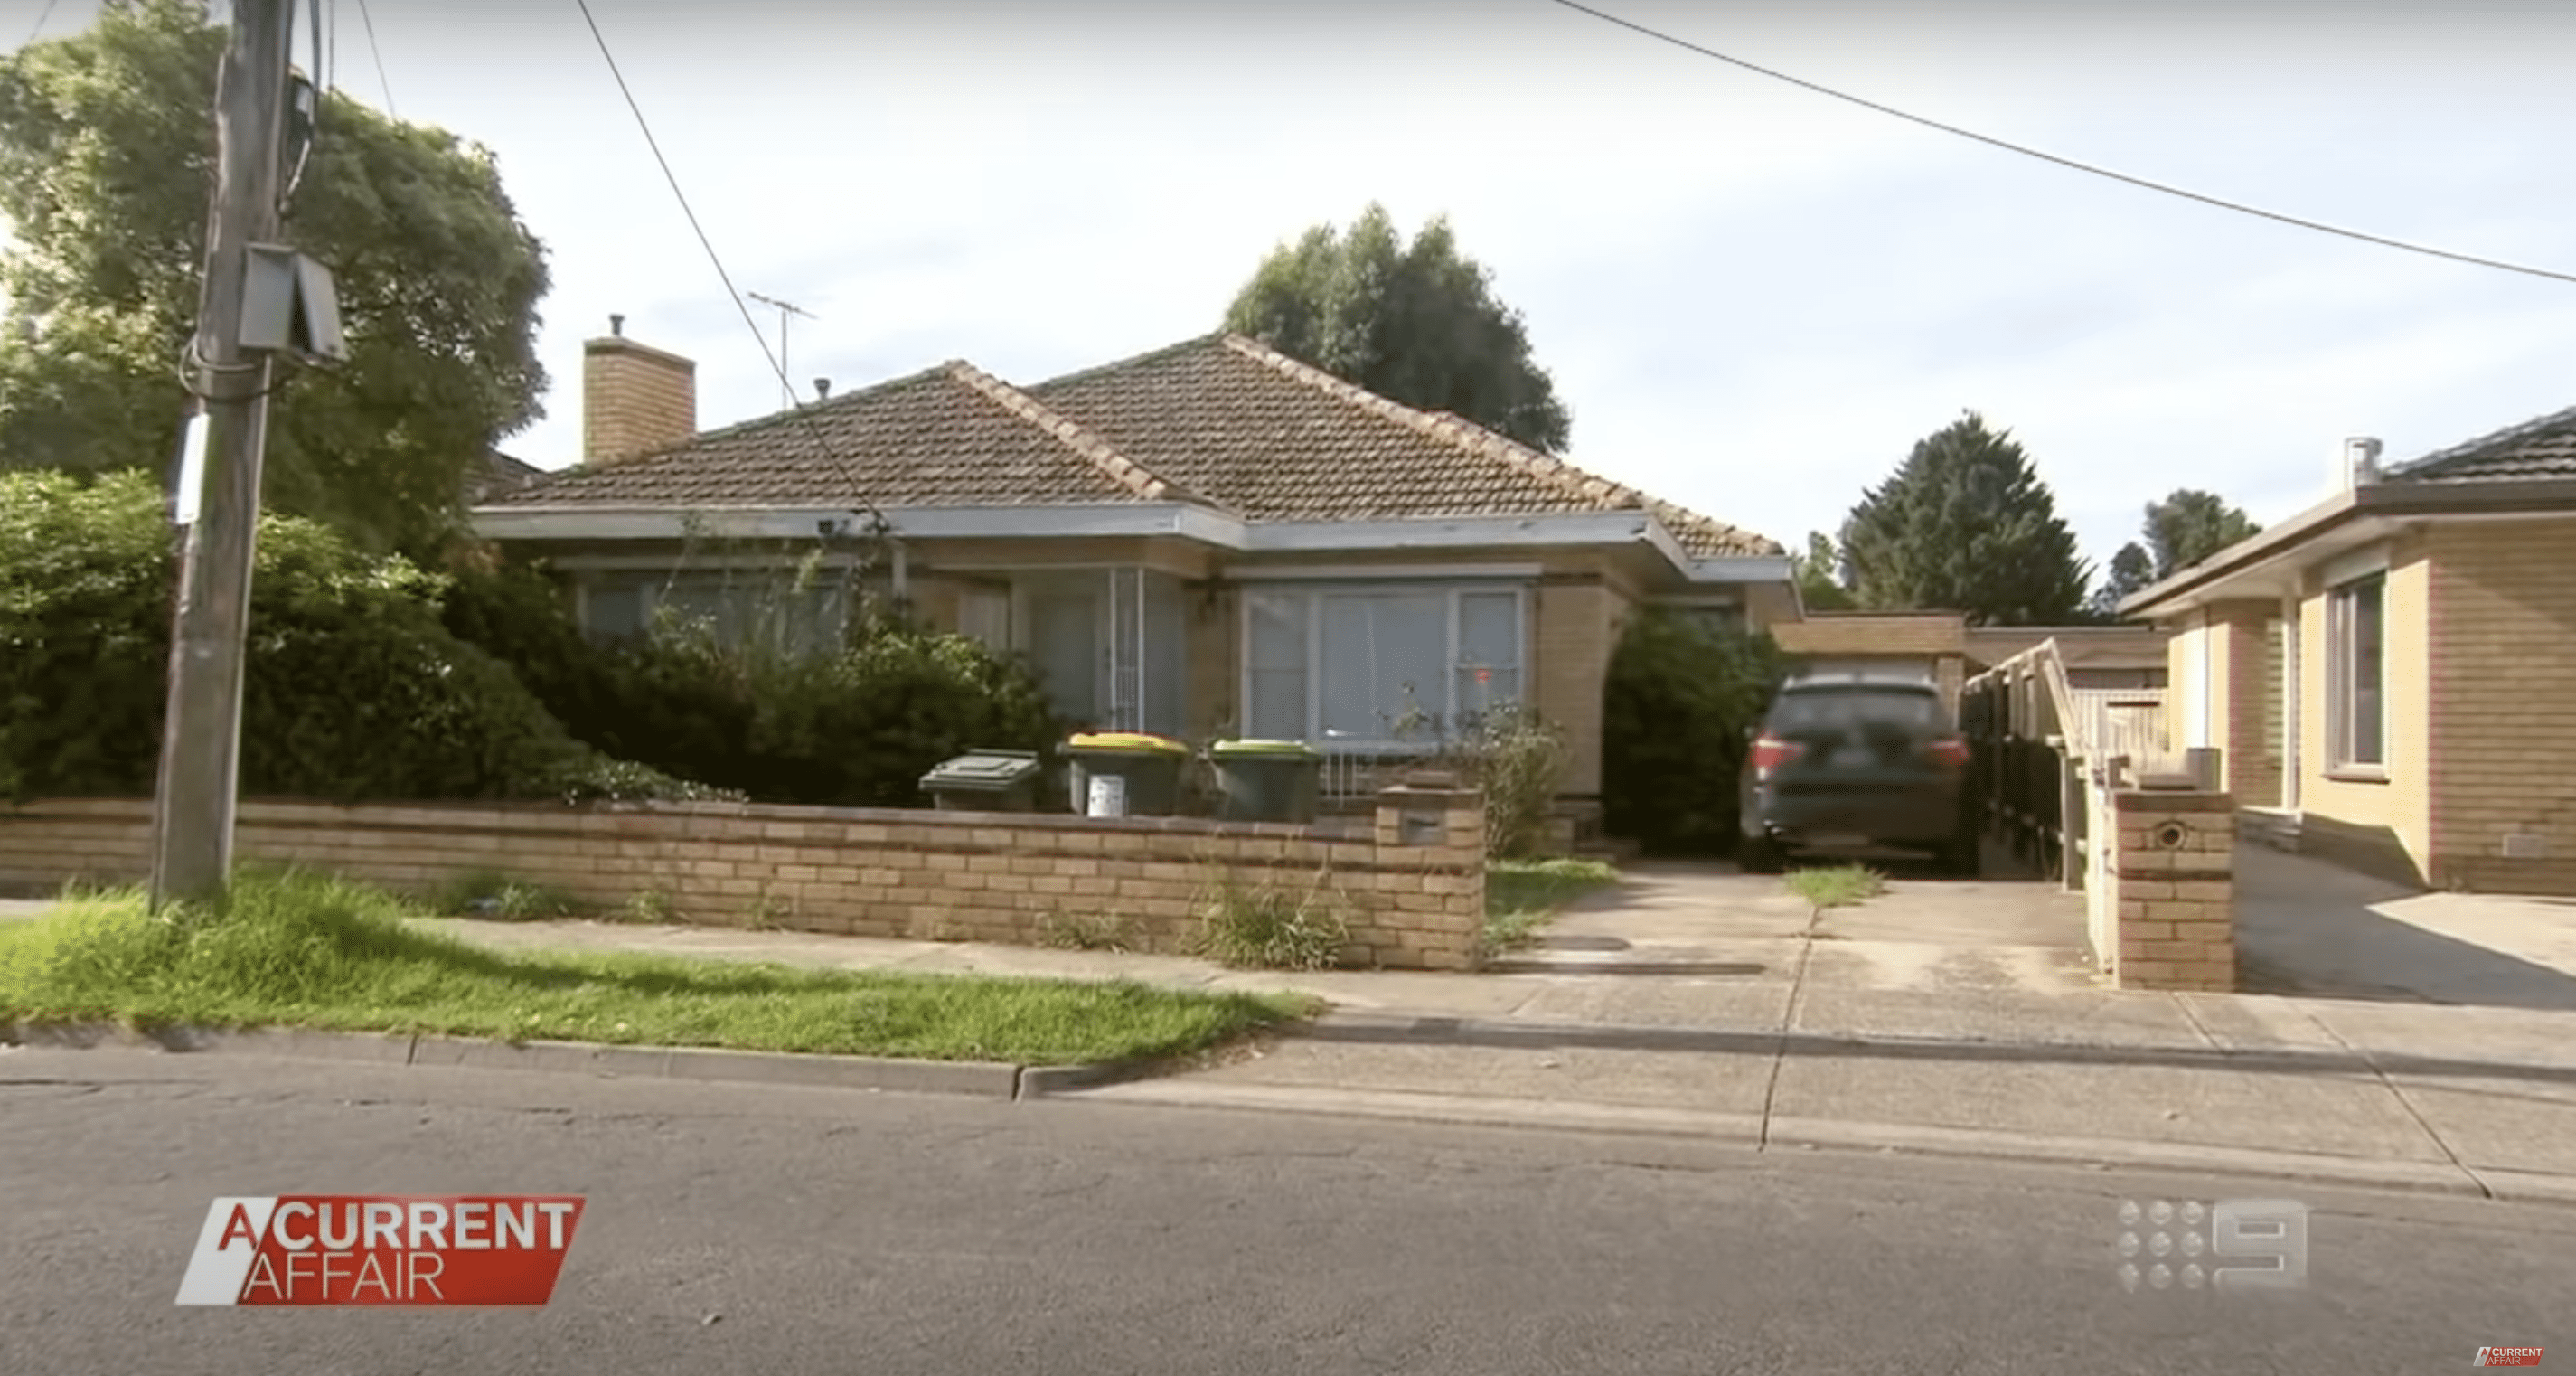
pixel 1570 661
pixel 2502 710
pixel 2386 822
pixel 634 400
pixel 2173 891
pixel 1412 891
pixel 2223 654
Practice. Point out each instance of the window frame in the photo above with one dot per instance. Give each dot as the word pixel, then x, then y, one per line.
pixel 1310 593
pixel 2343 707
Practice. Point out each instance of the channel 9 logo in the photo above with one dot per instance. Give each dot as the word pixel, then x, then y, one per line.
pixel 2233 1245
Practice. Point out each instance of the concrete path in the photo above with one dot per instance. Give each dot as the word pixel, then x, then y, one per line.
pixel 2307 927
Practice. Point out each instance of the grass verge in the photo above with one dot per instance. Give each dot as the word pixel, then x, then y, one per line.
pixel 1838 886
pixel 1523 896
pixel 301 950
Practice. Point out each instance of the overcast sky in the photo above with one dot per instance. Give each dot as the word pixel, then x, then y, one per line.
pixel 1754 298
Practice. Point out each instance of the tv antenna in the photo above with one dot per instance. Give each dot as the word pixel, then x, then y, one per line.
pixel 786 393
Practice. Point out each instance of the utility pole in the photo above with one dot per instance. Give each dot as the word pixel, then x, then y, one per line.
pixel 786 393
pixel 192 823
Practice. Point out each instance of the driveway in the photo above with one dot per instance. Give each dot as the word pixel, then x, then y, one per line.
pixel 1928 934
pixel 2307 927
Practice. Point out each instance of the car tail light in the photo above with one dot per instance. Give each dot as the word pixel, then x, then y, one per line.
pixel 1951 751
pixel 1771 752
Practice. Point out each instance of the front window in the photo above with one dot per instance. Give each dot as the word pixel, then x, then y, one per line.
pixel 1348 666
pixel 2357 650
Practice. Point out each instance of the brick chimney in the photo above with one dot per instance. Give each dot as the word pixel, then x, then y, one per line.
pixel 635 399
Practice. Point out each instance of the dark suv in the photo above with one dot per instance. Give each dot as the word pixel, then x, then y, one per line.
pixel 1852 762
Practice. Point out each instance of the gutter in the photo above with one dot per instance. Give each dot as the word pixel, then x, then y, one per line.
pixel 2384 500
pixel 536 521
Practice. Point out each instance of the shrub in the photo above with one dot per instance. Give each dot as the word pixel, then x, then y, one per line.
pixel 757 707
pixel 1513 754
pixel 1679 698
pixel 352 688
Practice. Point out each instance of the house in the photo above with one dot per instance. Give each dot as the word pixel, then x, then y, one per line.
pixel 2390 676
pixel 1208 539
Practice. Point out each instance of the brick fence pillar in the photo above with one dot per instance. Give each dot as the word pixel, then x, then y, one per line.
pixel 2173 890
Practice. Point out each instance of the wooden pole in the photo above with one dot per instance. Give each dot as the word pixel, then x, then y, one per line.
pixel 192 824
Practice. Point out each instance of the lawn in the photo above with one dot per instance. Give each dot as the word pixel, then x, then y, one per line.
pixel 1523 896
pixel 300 950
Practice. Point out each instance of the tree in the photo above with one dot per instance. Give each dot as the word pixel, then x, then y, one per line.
pixel 1966 525
pixel 1819 573
pixel 2183 529
pixel 1418 323
pixel 106 154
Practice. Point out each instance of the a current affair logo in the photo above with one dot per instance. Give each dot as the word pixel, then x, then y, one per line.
pixel 311 1249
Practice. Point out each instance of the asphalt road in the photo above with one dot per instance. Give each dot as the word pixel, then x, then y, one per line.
pixel 734 1229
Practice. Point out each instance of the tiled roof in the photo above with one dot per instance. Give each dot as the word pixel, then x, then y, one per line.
pixel 950 436
pixel 500 474
pixel 1220 421
pixel 1278 440
pixel 2537 450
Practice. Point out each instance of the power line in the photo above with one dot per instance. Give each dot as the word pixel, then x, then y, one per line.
pixel 41 16
pixel 367 17
pixel 821 441
pixel 2028 152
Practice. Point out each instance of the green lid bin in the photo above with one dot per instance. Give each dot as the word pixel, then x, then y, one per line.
pixel 1266 781
pixel 1125 773
pixel 985 781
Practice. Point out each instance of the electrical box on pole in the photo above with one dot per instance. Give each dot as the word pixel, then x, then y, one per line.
pixel 289 305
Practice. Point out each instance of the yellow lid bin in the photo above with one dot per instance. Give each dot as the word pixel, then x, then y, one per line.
pixel 1139 741
pixel 1125 773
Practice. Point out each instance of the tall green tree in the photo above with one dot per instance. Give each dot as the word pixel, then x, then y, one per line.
pixel 1965 524
pixel 1819 572
pixel 1415 322
pixel 107 151
pixel 2186 527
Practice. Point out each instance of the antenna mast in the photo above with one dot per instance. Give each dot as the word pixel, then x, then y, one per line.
pixel 786 393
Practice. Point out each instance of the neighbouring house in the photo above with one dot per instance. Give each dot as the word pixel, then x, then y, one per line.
pixel 1206 540
pixel 2390 676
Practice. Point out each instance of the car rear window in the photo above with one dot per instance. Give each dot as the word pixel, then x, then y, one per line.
pixel 1847 707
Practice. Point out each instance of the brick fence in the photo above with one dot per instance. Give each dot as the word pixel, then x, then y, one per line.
pixel 1411 887
pixel 2171 862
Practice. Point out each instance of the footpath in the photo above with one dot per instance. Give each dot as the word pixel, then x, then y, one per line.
pixel 1776 1045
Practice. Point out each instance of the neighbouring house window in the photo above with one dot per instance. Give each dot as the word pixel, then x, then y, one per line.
pixel 614 610
pixel 2357 655
pixel 1344 666
pixel 736 606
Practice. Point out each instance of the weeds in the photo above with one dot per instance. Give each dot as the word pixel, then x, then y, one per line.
pixel 1270 927
pixel 1840 886
pixel 497 896
pixel 1077 932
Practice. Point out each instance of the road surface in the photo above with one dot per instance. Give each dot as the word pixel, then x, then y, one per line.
pixel 741 1229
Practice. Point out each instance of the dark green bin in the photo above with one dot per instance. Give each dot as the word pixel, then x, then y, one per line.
pixel 1266 781
pixel 985 781
pixel 1146 770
